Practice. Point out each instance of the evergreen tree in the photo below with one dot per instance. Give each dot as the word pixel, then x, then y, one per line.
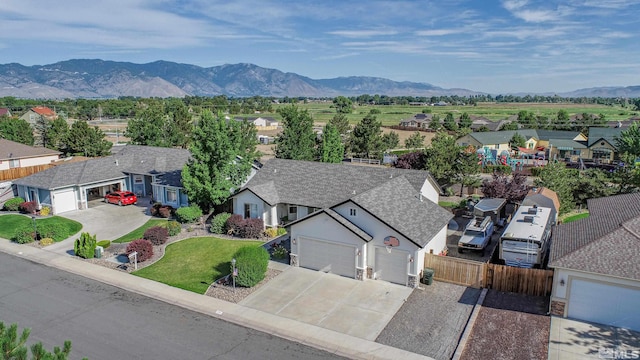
pixel 343 105
pixel 465 121
pixel 58 134
pixel 517 140
pixel 559 178
pixel 84 140
pixel 341 123
pixel 450 123
pixel 366 140
pixel 441 157
pixel 629 140
pixel 331 148
pixel 434 124
pixel 297 141
pixel 218 164
pixel 17 130
pixel 42 128
pixel 415 141
pixel 390 140
pixel 13 346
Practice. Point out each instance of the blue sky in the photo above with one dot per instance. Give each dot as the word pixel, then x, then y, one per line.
pixel 505 46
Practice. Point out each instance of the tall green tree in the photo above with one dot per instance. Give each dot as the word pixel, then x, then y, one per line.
pixel 467 169
pixel 219 162
pixel 559 178
pixel 87 141
pixel 17 130
pixel 441 158
pixel 629 140
pixel 341 123
pixel 465 120
pixel 42 129
pixel 562 120
pixel 343 105
pixel 434 124
pixel 331 149
pixel 58 134
pixel 517 140
pixel 366 140
pixel 164 123
pixel 390 140
pixel 415 141
pixel 297 141
pixel 450 122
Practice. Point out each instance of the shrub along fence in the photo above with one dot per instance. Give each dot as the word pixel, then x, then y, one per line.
pixel 536 282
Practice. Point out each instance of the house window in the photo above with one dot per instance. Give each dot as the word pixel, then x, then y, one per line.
pixel 293 209
pixel 14 163
pixel 250 211
pixel 172 195
pixel 496 146
pixel 352 212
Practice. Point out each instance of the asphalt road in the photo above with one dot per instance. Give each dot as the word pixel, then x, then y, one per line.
pixel 105 322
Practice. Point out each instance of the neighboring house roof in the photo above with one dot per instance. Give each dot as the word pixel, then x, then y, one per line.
pixel 323 185
pixel 14 150
pixel 596 134
pixel 479 122
pixel 566 144
pixel 543 197
pixel 132 159
pixel 606 242
pixel 503 137
pixel 5 111
pixel 397 204
pixel 44 111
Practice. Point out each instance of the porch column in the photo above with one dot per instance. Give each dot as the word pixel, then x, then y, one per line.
pixel 274 215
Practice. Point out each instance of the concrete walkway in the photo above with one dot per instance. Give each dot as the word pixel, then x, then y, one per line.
pixel 572 339
pixel 333 341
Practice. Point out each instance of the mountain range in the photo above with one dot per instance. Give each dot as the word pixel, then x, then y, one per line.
pixel 89 78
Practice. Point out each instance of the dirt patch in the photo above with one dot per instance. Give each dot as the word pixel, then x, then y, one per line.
pixel 405 134
pixel 511 327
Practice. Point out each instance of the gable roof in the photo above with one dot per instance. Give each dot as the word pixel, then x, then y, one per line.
pixel 397 204
pixel 597 134
pixel 323 185
pixel 544 197
pixel 503 137
pixel 133 159
pixel 14 150
pixel 4 111
pixel 607 235
pixel 566 144
pixel 43 110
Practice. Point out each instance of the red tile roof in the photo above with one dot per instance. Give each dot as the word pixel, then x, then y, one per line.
pixel 4 111
pixel 43 110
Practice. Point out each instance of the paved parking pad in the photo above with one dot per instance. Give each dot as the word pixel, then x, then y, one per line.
pixel 357 308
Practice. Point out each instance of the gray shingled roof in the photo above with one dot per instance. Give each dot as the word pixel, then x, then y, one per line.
pixel 566 144
pixel 14 150
pixel 322 185
pixel 397 204
pixel 133 159
pixel 603 133
pixel 608 216
pixel 502 137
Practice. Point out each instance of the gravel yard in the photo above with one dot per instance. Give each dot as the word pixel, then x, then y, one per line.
pixel 509 326
pixel 431 320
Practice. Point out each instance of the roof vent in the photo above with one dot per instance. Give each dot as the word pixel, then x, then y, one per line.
pixel 532 210
pixel 116 162
pixel 528 219
pixel 390 176
pixel 275 171
pixel 354 192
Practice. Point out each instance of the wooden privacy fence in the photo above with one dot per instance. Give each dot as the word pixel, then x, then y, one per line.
pixel 477 274
pixel 457 271
pixel 535 282
pixel 16 173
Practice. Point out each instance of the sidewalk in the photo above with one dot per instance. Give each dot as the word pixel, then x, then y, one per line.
pixel 338 343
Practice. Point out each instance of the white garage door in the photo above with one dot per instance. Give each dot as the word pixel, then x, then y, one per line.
pixel 64 201
pixel 605 304
pixel 391 266
pixel 327 256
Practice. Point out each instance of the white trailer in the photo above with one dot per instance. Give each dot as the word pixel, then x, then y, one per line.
pixel 525 241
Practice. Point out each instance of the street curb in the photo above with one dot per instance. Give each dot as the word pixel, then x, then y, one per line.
pixel 469 327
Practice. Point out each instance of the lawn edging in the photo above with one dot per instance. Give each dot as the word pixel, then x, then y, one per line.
pixel 469 327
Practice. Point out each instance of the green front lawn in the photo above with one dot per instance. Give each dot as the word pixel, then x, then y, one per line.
pixel 193 264
pixel 137 233
pixel 11 222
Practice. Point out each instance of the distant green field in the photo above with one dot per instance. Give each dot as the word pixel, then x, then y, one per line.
pixel 392 114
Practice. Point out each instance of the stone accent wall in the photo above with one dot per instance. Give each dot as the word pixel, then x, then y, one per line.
pixel 293 260
pixel 413 281
pixel 557 307
pixel 369 272
pixel 359 274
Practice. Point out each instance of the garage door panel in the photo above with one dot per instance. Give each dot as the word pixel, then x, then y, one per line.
pixel 391 266
pixel 65 201
pixel 604 304
pixel 327 256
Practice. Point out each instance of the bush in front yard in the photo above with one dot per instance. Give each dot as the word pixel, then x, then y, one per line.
pixel 46 241
pixel 13 204
pixel 157 235
pixel 218 223
pixel 251 228
pixel 45 211
pixel 85 246
pixel 233 224
pixel 24 235
pixel 143 247
pixel 281 231
pixel 271 232
pixel 174 228
pixel 251 262
pixel 165 212
pixel 52 230
pixel 188 214
pixel 28 207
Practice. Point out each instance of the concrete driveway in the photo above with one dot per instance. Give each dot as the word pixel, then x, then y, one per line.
pixel 107 221
pixel 572 339
pixel 357 308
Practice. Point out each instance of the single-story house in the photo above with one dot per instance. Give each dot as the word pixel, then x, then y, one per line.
pixel 5 111
pixel 478 122
pixel 356 221
pixel 262 123
pixel 596 268
pixel 602 144
pixel 33 114
pixel 144 170
pixel 17 155
pixel 544 197
pixel 419 121
pixel 499 140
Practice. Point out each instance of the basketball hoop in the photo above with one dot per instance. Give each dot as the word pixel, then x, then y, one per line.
pixel 389 249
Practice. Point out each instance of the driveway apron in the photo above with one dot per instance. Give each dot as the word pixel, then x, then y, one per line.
pixel 358 308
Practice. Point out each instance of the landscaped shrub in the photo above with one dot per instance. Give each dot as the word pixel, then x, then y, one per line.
pixel 154 209
pixel 85 246
pixel 45 211
pixel 52 230
pixel 279 252
pixel 271 232
pixel 174 228
pixel 13 204
pixel 535 171
pixel 188 214
pixel 104 243
pixel 251 262
pixel 28 207
pixel 46 241
pixel 165 212
pixel 156 234
pixel 143 247
pixel 251 228
pixel 490 169
pixel 233 224
pixel 281 231
pixel 24 235
pixel 218 223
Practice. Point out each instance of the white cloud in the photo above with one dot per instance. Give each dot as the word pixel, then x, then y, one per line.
pixel 438 32
pixel 337 56
pixel 363 33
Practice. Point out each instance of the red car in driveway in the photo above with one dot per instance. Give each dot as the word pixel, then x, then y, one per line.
pixel 121 198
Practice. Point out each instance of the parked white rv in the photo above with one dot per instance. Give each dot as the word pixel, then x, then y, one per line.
pixel 525 241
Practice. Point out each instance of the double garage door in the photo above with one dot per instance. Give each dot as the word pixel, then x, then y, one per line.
pixel 327 256
pixel 604 304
